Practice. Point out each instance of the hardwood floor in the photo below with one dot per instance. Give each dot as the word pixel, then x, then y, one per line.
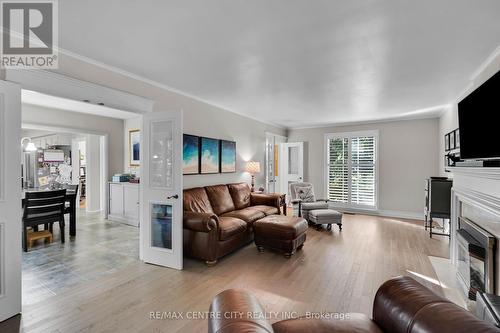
pixel 100 247
pixel 335 272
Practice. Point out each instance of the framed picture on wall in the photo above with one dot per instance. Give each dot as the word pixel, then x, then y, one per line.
pixel 210 155
pixel 227 156
pixel 191 155
pixel 452 140
pixel 134 147
pixel 457 138
pixel 447 142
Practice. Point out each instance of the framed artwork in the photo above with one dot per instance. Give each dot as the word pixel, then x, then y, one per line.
pixel 135 147
pixel 457 138
pixel 447 142
pixel 228 156
pixel 190 155
pixel 210 155
pixel 452 140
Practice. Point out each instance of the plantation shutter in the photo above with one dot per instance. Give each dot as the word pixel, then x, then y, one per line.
pixel 363 171
pixel 351 170
pixel 338 170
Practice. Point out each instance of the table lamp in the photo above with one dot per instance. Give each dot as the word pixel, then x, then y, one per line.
pixel 253 168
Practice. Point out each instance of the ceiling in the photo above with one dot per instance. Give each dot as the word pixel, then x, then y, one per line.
pixel 290 62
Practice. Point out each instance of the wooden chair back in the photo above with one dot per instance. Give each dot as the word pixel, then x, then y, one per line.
pixel 43 207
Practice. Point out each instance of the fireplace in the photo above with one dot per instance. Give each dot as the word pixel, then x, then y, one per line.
pixel 476 250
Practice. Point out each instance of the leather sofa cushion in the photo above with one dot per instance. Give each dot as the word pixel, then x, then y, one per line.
pixel 249 315
pixel 280 227
pixel 268 210
pixel 220 199
pixel 356 322
pixel 397 302
pixel 430 319
pixel 248 215
pixel 230 226
pixel 240 193
pixel 196 200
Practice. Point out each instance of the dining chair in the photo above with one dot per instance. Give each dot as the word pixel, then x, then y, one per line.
pixel 43 208
pixel 70 189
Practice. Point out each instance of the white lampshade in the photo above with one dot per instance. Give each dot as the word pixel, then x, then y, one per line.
pixel 30 147
pixel 252 167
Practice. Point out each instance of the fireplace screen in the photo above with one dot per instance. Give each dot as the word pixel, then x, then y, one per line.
pixel 476 249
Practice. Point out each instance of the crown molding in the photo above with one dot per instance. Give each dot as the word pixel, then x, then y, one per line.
pixel 159 85
pixel 485 63
pixel 434 114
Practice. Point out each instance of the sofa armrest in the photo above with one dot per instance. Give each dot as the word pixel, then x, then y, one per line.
pixel 237 311
pixel 203 222
pixel 265 199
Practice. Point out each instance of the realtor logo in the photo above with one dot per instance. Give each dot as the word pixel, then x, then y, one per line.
pixel 29 34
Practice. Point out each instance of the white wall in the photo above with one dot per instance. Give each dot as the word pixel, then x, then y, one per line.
pixel 200 118
pixel 407 156
pixel 449 120
pixel 84 123
pixel 93 176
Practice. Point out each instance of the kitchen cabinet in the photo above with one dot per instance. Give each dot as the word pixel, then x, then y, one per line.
pixel 124 203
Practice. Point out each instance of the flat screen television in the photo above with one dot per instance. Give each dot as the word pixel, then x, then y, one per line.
pixel 478 115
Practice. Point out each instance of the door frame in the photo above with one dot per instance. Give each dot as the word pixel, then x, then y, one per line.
pixel 104 151
pixel 67 87
pixel 284 165
pixel 274 136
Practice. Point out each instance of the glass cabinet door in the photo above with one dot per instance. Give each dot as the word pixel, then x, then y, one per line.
pixel 161 154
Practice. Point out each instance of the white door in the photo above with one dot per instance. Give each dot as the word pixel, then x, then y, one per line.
pixel 273 164
pixel 161 189
pixel 293 164
pixel 10 200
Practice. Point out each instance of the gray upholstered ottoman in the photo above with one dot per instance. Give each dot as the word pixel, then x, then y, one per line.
pixel 325 216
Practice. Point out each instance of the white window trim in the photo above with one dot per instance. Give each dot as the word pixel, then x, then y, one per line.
pixel 349 135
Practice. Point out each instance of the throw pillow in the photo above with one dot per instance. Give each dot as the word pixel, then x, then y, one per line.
pixel 305 193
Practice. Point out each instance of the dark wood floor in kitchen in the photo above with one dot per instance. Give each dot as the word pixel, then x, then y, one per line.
pixel 335 272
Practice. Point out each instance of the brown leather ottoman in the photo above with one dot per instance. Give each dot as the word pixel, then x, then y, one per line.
pixel 279 232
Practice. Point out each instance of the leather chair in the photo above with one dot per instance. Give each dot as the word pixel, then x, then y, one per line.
pixel 219 219
pixel 402 305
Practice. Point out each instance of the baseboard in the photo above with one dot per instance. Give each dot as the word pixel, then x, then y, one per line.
pixel 387 213
pixel 401 214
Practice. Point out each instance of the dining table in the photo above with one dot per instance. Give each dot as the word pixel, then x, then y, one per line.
pixel 70 208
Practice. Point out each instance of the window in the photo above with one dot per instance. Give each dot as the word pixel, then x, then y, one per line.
pixel 351 169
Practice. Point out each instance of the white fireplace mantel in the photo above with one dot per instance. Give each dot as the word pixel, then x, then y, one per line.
pixel 477 187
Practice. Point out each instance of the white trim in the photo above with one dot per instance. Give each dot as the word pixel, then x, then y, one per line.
pixel 67 87
pixel 488 173
pixel 401 214
pixel 2 259
pixel 157 84
pixel 381 212
pixel 349 135
pixel 2 148
pixel 60 129
pixel 484 65
pixel 429 113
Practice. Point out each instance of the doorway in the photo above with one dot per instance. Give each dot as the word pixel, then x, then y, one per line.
pixel 274 162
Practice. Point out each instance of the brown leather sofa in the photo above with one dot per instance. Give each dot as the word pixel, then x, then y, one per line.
pixel 402 305
pixel 218 219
